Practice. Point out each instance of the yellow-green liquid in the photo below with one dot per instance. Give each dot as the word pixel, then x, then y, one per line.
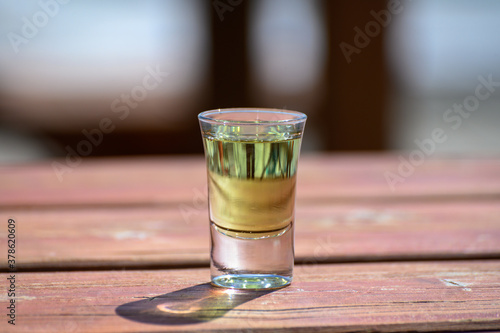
pixel 252 184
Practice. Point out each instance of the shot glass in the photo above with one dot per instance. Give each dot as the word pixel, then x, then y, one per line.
pixel 252 157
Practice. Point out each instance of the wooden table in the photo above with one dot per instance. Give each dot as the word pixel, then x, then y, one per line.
pixel 122 245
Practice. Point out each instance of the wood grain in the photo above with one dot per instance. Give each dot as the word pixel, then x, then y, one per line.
pixel 395 297
pixel 146 237
pixel 141 214
pixel 177 180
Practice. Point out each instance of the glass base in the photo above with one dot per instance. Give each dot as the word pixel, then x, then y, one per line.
pixel 241 260
pixel 251 281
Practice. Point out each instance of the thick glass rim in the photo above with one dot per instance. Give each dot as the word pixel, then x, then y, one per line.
pixel 294 117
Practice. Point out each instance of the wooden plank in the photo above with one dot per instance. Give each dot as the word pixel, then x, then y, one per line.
pixel 174 180
pixel 390 297
pixel 398 231
pixel 102 182
pixel 119 237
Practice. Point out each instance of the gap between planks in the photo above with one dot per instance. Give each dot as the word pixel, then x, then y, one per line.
pixel 309 201
pixel 301 263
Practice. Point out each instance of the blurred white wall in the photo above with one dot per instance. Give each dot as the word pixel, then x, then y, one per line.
pixel 288 53
pixel 63 64
pixel 437 49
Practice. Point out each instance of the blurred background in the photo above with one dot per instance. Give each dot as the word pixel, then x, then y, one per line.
pixel 130 76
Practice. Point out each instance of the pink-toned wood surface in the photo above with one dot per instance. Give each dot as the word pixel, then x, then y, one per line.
pixel 135 237
pixel 175 180
pixel 434 243
pixel 395 297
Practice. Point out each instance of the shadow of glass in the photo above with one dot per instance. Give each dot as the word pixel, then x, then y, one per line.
pixel 196 304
